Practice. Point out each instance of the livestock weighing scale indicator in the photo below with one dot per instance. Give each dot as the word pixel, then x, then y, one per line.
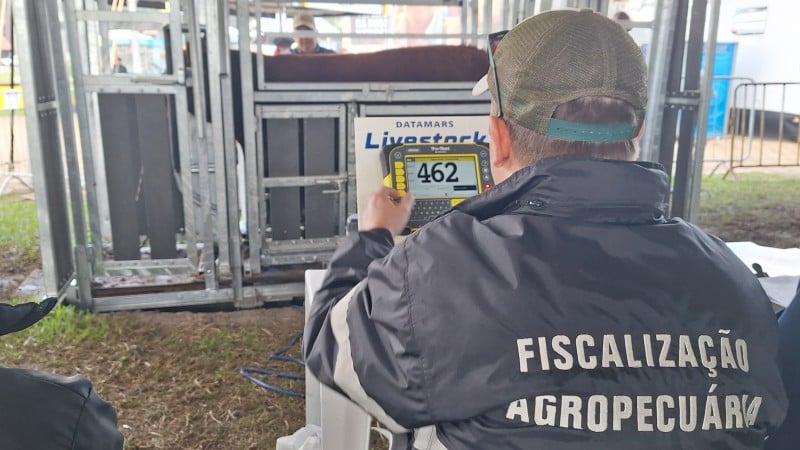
pixel 439 175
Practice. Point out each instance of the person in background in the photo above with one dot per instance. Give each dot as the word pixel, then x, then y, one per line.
pixel 283 46
pixel 560 309
pixel 118 66
pixel 306 44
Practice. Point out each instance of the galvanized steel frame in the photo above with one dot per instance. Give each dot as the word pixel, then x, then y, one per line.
pixel 41 95
pixel 197 192
pixel 307 250
pixel 213 188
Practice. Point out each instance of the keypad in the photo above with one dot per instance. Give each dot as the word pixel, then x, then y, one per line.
pixel 425 210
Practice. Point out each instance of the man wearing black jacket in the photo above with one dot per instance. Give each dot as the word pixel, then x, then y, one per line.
pixel 559 310
pixel 39 410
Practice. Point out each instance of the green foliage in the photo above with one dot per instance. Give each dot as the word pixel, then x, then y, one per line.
pixel 19 237
pixel 64 324
pixel 749 190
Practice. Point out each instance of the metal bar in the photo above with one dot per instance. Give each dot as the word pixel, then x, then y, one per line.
pixel 682 186
pixel 473 29
pixel 297 111
pixel 255 193
pixel 229 154
pixel 674 74
pixel 762 125
pixel 120 85
pixel 182 123
pixel 512 15
pixel 487 19
pixel 780 121
pixel 461 109
pixel 315 180
pixel 666 17
pixel 28 73
pixel 260 78
pixel 217 139
pixel 387 97
pixel 353 111
pixel 684 102
pixel 205 187
pixel 343 152
pixel 175 45
pixel 83 272
pixel 102 214
pixel 370 86
pixel 217 55
pixel 405 2
pixel 123 16
pixel 46 106
pixel 3 9
pixel 706 89
pixel 269 293
pixel 463 12
pixel 175 263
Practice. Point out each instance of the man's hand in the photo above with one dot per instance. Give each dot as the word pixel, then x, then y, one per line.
pixel 386 209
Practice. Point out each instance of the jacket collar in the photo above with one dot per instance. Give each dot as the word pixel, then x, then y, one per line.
pixel 596 190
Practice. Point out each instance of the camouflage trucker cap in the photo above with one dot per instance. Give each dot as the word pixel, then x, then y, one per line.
pixel 554 57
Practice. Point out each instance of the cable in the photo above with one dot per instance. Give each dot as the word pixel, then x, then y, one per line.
pixel 278 355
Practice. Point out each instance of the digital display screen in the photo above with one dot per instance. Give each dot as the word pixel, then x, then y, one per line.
pixel 442 176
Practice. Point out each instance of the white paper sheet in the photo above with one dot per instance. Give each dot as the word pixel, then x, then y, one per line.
pixel 781 264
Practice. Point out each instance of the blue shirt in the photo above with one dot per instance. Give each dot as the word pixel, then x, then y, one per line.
pixel 317 49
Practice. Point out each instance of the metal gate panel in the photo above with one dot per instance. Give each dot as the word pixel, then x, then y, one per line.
pixel 121 156
pixel 282 159
pixel 131 124
pixel 45 147
pixel 132 180
pixel 143 162
pixel 295 148
pixel 305 178
pixel 138 154
pixel 321 214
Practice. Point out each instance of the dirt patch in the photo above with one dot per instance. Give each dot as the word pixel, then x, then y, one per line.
pixel 174 377
pixel 744 155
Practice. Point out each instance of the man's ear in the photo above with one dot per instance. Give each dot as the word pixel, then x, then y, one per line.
pixel 501 142
pixel 641 131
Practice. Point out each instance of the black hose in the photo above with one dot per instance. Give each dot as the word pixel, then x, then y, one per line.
pixel 251 373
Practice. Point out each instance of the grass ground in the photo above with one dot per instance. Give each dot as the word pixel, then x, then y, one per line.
pixel 173 377
pixel 759 207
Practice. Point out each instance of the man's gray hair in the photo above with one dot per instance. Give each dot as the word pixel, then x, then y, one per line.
pixel 529 146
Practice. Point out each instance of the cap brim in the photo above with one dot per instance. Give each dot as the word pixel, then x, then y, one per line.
pixel 481 86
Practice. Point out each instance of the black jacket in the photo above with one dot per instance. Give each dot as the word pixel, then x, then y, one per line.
pixel 49 412
pixel 559 310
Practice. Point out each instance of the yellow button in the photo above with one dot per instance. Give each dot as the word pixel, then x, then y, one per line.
pixel 399 172
pixel 455 201
pixel 401 193
pixel 399 179
pixel 398 164
pixel 401 186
